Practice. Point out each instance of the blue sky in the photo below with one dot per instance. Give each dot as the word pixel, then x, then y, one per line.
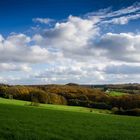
pixel 61 41
pixel 17 15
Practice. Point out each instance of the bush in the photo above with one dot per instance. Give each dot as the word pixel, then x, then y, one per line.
pixel 39 95
pixel 57 99
pixel 115 109
pixel 34 102
pixel 126 101
pixel 131 112
pixel 76 102
pixel 100 105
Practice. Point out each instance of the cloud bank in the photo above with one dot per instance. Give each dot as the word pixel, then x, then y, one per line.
pixel 75 50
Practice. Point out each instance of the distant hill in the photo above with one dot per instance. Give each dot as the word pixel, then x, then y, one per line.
pixel 74 95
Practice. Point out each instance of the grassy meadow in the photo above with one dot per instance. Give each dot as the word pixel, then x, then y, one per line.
pixel 19 121
pixel 116 93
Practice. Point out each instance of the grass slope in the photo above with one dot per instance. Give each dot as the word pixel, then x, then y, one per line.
pixel 18 121
pixel 116 93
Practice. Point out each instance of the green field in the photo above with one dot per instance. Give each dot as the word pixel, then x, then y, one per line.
pixel 116 93
pixel 19 121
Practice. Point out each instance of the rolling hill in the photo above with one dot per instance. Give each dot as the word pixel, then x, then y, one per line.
pixel 20 121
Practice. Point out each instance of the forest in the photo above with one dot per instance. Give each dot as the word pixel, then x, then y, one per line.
pixel 74 95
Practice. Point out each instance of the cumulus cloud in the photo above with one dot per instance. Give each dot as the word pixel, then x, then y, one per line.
pixel 43 20
pixel 77 39
pixel 72 37
pixel 18 48
pixel 123 46
pixel 14 67
pixel 75 50
pixel 72 73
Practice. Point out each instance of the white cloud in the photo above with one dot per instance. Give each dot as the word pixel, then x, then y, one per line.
pixel 122 20
pixel 128 10
pixel 123 46
pixel 74 50
pixel 64 72
pixel 43 20
pixel 72 37
pixel 107 12
pixel 14 67
pixel 19 48
pixel 122 16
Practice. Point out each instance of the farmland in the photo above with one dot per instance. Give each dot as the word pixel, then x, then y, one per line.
pixel 19 120
pixel 116 93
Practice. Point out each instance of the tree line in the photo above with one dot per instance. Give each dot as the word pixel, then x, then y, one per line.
pixel 71 95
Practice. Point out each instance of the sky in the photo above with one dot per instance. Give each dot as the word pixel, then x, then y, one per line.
pixel 69 41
